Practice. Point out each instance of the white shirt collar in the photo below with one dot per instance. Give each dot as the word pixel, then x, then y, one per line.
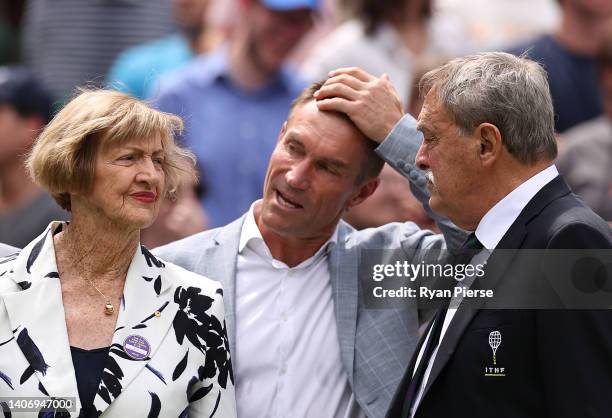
pixel 496 222
pixel 250 232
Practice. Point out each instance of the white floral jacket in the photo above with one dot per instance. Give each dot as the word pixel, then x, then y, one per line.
pixel 178 363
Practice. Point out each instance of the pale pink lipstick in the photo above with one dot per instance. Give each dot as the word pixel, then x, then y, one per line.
pixel 145 197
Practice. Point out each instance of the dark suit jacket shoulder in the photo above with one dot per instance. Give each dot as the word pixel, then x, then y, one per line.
pixel 550 363
pixel 558 218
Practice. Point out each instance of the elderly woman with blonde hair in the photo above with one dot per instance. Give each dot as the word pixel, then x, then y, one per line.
pixel 91 323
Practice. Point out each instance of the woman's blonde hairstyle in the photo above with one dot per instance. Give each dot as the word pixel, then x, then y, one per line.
pixel 63 158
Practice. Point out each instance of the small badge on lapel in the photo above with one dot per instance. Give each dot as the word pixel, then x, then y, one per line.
pixel 495 340
pixel 137 347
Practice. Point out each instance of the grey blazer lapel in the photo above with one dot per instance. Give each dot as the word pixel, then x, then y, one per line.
pixel 219 263
pixel 343 274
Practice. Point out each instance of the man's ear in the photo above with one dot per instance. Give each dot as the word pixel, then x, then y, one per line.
pixel 491 144
pixel 366 190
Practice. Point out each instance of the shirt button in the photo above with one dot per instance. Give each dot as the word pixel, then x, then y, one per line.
pixel 284 316
pixel 282 370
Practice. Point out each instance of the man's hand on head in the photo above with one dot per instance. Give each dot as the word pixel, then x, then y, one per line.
pixel 371 102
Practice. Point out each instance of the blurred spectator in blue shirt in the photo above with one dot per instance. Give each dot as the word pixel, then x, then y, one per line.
pixel 25 108
pixel 137 69
pixel 569 58
pixel 235 100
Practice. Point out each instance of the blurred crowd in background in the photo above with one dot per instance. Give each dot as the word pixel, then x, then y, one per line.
pixel 231 69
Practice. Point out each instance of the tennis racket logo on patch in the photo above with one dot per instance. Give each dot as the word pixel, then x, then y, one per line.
pixel 495 340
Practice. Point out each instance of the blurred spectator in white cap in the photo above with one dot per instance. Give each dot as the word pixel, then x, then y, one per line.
pixel 25 108
pixel 137 69
pixel 568 55
pixel 71 43
pixel 585 151
pixel 235 99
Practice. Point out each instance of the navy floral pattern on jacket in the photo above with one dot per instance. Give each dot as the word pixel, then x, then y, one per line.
pixel 184 369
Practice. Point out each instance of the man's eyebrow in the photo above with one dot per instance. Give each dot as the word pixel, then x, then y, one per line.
pixel 422 127
pixel 291 136
pixel 339 164
pixel 333 162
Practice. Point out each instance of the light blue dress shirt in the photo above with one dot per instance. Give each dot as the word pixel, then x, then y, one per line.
pixel 231 131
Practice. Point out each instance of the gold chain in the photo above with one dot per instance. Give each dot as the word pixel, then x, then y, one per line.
pixel 108 308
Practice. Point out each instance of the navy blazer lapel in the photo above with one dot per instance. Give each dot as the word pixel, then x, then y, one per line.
pixel 344 276
pixel 36 315
pixel 219 263
pixel 496 267
pixel 397 403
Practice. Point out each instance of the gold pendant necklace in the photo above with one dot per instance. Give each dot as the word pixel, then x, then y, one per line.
pixel 109 309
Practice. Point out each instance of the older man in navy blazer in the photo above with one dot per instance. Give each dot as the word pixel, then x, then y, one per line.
pixel 303 342
pixel 489 149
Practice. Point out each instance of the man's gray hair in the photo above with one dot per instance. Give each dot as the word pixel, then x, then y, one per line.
pixel 509 92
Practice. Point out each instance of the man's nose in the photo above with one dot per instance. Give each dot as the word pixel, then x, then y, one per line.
pixel 298 177
pixel 421 159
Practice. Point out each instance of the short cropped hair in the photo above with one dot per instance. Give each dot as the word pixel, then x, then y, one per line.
pixel 373 164
pixel 507 91
pixel 63 158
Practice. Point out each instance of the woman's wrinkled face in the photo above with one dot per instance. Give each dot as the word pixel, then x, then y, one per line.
pixel 129 183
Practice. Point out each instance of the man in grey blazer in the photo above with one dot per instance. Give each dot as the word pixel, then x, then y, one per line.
pixel 7 250
pixel 290 264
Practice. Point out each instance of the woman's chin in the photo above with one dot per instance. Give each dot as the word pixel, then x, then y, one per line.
pixel 132 221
